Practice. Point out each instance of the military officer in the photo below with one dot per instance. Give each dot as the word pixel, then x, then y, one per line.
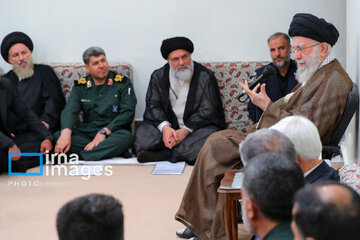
pixel 108 102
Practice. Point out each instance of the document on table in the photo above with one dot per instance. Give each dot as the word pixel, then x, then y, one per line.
pixel 167 167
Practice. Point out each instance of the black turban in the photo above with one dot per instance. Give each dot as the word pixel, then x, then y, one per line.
pixel 13 38
pixel 310 26
pixel 171 44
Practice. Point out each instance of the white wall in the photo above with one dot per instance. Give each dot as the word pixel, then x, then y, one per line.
pixel 132 30
pixel 351 146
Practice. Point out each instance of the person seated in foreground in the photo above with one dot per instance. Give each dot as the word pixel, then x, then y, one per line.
pixel 326 211
pixel 183 107
pixel 269 185
pixel 263 141
pixel 91 217
pixel 284 81
pixel 321 80
pixel 305 136
pixel 108 102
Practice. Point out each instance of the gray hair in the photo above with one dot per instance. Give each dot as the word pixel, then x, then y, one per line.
pixel 271 181
pixel 266 141
pixel 92 52
pixel 303 134
pixel 277 34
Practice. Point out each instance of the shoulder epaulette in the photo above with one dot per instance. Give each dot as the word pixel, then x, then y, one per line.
pixel 80 81
pixel 118 78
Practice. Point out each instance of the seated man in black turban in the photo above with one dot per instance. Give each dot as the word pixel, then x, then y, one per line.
pixel 320 96
pixel 36 84
pixel 183 107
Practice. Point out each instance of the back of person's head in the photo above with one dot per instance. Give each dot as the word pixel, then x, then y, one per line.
pixel 303 134
pixel 266 141
pixel 271 181
pixel 91 217
pixel 327 211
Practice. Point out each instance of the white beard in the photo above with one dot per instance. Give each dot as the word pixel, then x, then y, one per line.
pixel 26 72
pixel 304 73
pixel 184 75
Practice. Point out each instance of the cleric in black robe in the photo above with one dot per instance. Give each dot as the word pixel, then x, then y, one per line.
pixel 37 139
pixel 183 107
pixel 37 85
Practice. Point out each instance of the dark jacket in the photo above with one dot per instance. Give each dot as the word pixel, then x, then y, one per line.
pixel 49 102
pixel 203 105
pixel 11 103
pixel 322 172
pixel 277 87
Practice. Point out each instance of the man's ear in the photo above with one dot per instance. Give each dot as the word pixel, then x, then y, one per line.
pixel 323 49
pixel 87 67
pixel 251 209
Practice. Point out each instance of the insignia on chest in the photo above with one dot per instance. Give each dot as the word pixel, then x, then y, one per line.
pixel 84 100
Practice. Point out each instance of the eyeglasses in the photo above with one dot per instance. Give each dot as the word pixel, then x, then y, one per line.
pixel 301 49
pixel 177 59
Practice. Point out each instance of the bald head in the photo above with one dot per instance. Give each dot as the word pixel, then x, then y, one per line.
pixel 326 210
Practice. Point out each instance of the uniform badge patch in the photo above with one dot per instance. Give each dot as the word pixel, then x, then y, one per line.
pixel 115 108
pixel 110 81
pixel 88 84
pixel 118 78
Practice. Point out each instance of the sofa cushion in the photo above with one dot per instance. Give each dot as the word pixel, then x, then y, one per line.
pixel 229 74
pixel 350 175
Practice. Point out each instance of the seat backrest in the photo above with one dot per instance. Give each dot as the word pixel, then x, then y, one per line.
pixel 351 106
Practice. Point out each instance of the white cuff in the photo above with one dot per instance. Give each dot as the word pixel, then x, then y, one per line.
pixel 189 129
pixel 162 125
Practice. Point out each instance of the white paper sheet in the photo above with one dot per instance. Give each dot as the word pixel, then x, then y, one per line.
pixel 167 167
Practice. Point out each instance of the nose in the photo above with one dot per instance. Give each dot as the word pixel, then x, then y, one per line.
pixel 277 52
pixel 297 55
pixel 181 61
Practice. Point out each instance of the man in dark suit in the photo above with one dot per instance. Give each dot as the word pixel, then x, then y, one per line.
pixel 281 83
pixel 305 136
pixel 37 138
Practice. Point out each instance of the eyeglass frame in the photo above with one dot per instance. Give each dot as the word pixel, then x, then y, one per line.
pixel 302 49
pixel 183 57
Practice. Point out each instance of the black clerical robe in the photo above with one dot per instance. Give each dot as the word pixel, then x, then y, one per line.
pixel 42 93
pixel 203 110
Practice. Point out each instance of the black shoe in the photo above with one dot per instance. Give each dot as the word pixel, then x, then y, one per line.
pixel 153 156
pixel 126 154
pixel 185 233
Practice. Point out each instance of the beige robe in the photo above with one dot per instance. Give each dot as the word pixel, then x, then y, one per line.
pixel 322 100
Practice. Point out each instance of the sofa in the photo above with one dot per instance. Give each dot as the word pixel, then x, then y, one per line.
pixel 228 74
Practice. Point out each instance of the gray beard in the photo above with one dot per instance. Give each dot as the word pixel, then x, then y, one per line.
pixel 284 63
pixel 304 73
pixel 184 75
pixel 23 73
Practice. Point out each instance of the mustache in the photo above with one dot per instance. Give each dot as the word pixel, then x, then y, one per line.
pixel 279 57
pixel 182 66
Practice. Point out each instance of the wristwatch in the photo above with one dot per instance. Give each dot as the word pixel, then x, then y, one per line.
pixel 103 132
